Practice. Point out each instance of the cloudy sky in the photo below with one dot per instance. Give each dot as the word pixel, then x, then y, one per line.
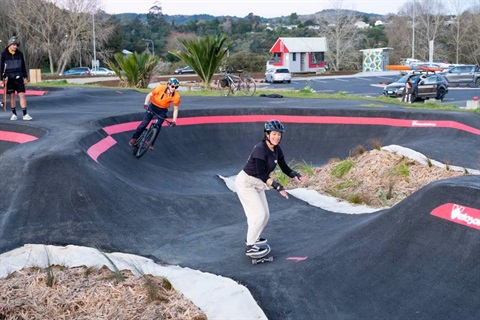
pixel 263 8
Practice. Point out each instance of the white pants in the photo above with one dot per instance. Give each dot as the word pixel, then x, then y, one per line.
pixel 251 192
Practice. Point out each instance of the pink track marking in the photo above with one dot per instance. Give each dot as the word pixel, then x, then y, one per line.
pixel 16 137
pixel 297 259
pixel 412 123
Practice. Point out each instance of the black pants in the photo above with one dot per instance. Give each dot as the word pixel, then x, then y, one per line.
pixel 161 114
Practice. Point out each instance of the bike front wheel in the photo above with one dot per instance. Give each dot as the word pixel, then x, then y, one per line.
pixel 247 87
pixel 145 141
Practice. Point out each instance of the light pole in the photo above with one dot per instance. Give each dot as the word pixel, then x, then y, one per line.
pixel 413 31
pixel 153 46
pixel 94 62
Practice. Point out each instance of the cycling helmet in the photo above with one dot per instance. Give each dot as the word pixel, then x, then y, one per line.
pixel 173 81
pixel 274 125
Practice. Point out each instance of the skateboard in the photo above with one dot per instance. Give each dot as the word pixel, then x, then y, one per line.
pixel 4 98
pixel 262 258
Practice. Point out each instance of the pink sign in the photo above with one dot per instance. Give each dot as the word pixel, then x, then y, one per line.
pixel 467 216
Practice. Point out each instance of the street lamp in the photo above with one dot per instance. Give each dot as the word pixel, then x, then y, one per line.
pixel 153 46
pixel 94 61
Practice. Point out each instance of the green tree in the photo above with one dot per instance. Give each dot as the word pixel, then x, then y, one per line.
pixel 136 69
pixel 204 55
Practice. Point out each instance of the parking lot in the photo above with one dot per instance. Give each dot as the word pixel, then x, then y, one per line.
pixel 369 84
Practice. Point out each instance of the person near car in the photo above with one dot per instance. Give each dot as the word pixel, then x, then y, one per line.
pixel 14 70
pixel 407 92
pixel 157 102
pixel 253 179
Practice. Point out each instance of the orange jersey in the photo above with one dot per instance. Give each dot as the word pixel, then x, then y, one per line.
pixel 161 99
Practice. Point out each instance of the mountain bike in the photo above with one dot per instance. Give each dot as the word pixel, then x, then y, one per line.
pixel 232 84
pixel 149 135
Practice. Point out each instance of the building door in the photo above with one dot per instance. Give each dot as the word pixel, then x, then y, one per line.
pixel 303 62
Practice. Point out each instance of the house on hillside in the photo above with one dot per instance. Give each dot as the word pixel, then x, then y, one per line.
pixel 299 55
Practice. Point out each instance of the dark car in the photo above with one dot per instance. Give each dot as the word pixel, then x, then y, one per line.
pixel 79 71
pixel 463 74
pixel 183 70
pixel 425 86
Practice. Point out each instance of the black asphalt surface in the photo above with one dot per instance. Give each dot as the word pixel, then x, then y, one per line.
pixel 79 183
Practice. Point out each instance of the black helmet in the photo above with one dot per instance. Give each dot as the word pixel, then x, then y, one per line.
pixel 274 125
pixel 173 81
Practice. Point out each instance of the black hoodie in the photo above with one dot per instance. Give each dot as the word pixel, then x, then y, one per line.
pixel 12 65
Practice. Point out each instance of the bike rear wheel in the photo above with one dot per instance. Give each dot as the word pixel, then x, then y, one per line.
pixel 224 90
pixel 145 141
pixel 247 87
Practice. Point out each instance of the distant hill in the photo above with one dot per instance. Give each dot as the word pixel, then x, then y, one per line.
pixel 182 19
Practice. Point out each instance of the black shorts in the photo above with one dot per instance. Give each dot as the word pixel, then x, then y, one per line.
pixel 15 85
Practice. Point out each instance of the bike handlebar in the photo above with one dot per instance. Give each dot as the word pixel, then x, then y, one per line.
pixel 170 123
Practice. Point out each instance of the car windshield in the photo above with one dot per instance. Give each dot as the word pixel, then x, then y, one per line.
pixel 405 78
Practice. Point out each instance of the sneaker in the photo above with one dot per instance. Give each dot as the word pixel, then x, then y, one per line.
pixel 259 241
pixel 132 142
pixel 255 250
pixel 27 117
pixel 13 117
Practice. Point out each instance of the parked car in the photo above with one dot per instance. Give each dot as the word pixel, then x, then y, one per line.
pixel 463 74
pixel 102 72
pixel 78 71
pixel 183 70
pixel 278 75
pixel 426 86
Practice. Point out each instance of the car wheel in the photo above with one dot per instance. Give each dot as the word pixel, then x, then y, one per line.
pixel 289 81
pixel 441 94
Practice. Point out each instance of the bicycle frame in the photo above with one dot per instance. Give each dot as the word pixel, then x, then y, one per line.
pixel 238 84
pixel 149 135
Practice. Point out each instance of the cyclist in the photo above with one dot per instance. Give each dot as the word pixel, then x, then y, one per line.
pixel 252 181
pixel 157 102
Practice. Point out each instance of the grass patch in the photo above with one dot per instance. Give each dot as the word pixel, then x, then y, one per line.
pixel 342 168
pixel 402 170
pixel 302 167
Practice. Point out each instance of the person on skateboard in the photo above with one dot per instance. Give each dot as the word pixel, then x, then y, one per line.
pixel 13 69
pixel 252 181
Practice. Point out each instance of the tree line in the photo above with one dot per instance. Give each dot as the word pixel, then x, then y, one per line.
pixel 58 34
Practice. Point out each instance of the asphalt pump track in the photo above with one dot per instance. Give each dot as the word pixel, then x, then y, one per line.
pixel 69 177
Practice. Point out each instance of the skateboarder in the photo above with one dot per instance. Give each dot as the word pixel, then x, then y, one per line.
pixel 252 181
pixel 14 71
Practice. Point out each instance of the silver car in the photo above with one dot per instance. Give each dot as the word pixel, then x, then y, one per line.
pixel 101 71
pixel 278 75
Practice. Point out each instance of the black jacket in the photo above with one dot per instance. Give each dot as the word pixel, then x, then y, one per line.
pixel 12 65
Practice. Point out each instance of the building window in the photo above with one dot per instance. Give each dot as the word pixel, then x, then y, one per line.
pixel 317 57
pixel 277 57
pixel 294 56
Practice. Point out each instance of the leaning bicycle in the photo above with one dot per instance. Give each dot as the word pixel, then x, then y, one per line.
pixel 231 84
pixel 149 135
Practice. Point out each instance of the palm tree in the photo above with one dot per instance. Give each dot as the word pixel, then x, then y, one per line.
pixel 203 55
pixel 134 69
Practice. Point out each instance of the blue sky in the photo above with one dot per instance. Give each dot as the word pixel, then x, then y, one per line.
pixel 264 8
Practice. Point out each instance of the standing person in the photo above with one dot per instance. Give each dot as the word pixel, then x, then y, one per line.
pixel 14 70
pixel 158 101
pixel 407 96
pixel 252 181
